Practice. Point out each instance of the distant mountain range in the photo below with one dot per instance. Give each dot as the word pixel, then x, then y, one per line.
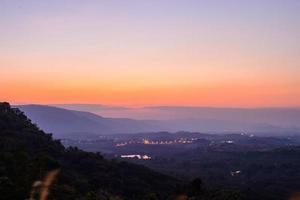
pixel 64 123
pixel 283 117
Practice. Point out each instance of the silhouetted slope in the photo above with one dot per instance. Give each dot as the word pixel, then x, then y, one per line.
pixel 27 154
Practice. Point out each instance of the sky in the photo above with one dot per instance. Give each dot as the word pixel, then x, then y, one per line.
pixel 228 53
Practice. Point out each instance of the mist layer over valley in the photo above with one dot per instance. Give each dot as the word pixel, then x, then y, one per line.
pixel 71 121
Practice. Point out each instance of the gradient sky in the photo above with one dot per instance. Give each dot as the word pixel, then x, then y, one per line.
pixel 151 52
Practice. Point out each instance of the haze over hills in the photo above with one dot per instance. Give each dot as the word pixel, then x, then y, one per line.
pixel 283 117
pixel 76 124
pixel 64 123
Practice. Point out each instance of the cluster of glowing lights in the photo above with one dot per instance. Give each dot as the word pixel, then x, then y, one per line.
pixel 137 156
pixel 235 173
pixel 183 141
pixel 157 142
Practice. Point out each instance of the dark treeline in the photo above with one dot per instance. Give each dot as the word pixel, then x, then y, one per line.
pixel 27 154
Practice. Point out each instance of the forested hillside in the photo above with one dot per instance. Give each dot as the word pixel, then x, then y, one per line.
pixel 31 162
pixel 27 154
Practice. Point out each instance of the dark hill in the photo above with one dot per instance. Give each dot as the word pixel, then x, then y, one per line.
pixel 27 154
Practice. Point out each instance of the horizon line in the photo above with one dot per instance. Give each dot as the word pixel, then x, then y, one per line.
pixel 158 106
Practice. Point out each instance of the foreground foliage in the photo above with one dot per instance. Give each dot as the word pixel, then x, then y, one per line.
pixel 27 155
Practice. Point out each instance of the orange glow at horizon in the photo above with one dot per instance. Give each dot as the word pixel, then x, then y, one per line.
pixel 194 53
pixel 232 95
pixel 181 81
